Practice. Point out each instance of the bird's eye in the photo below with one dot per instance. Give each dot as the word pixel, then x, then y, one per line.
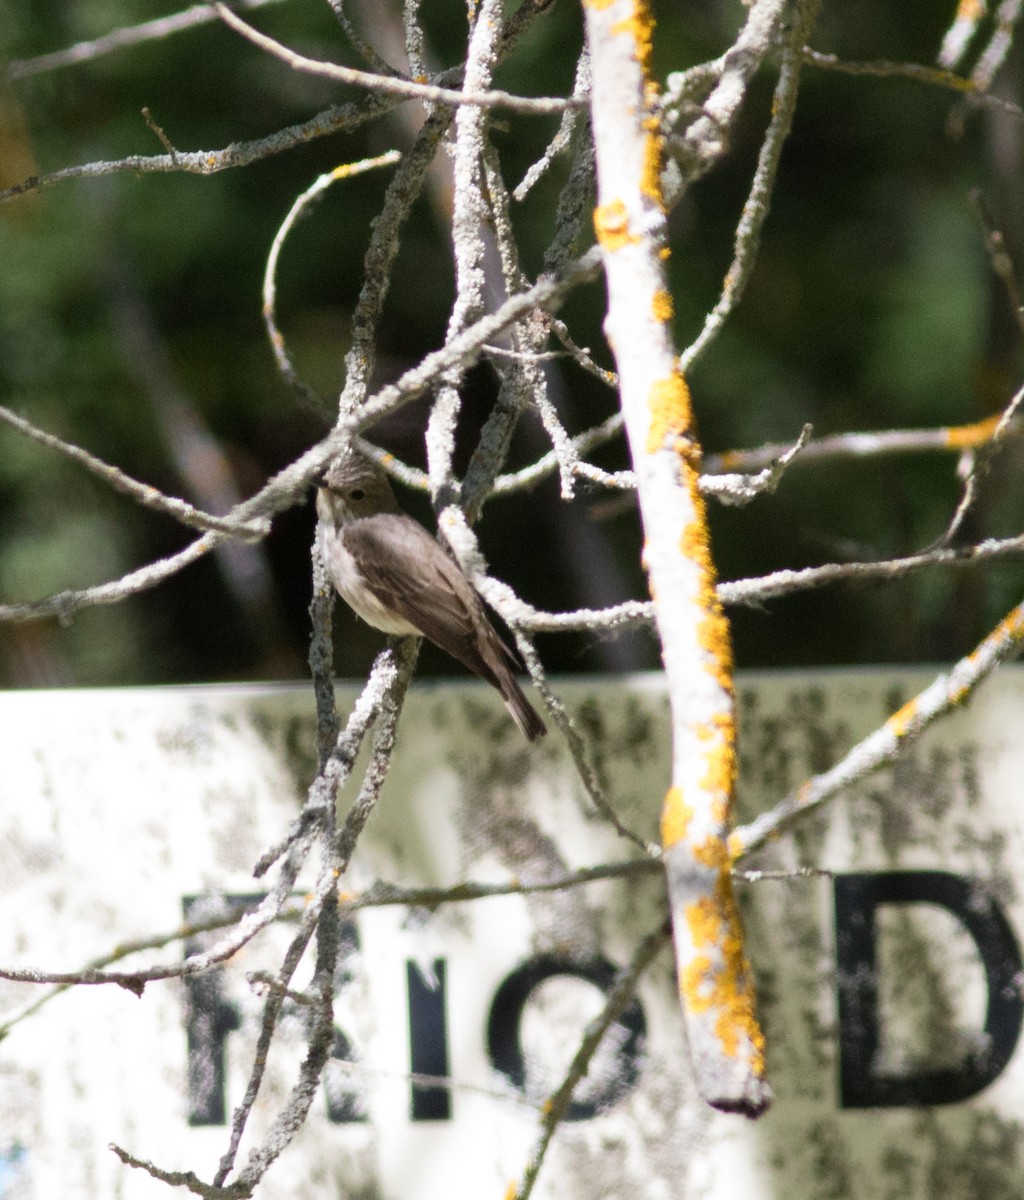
pixel 357 493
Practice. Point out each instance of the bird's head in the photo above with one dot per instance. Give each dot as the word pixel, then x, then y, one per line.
pixel 353 487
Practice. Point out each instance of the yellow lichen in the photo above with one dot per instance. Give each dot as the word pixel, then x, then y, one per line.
pixel 650 169
pixel 640 24
pixel 695 544
pixel 611 225
pixel 970 10
pixel 962 437
pixel 711 853
pixel 901 721
pixel 724 986
pixel 671 412
pixel 713 628
pixel 713 632
pixel 1011 627
pixel 704 922
pixel 676 815
pixel 661 305
pixel 692 980
pixel 720 775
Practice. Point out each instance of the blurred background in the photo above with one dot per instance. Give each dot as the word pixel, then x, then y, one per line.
pixel 130 324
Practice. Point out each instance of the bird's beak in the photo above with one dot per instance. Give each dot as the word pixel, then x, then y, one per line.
pixel 322 500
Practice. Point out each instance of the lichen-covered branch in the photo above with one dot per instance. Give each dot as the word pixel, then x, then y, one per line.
pixel 880 748
pixel 715 984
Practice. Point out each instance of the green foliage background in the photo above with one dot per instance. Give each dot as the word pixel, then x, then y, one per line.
pixel 872 307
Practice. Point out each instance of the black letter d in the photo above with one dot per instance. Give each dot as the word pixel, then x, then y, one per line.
pixel 857 897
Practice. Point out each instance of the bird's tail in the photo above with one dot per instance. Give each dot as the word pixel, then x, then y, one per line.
pixel 522 711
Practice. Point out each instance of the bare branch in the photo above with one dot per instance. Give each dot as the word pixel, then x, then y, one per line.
pixel 559 144
pixel 741 489
pixel 290 485
pixel 469 213
pixel 958 35
pixel 209 162
pixel 403 189
pixel 881 747
pixel 63 605
pixel 244 931
pixel 994 54
pixel 377 695
pixel 956 438
pixel 147 496
pixel 975 464
pixel 706 100
pixel 187 1179
pixel 378 895
pixel 272 1008
pixel 755 209
pixel 619 996
pixel 366 52
pixel 998 256
pixel 389 84
pixel 582 443
pixel 315 189
pixel 935 76
pixel 787 582
pixel 121 39
pixel 577 747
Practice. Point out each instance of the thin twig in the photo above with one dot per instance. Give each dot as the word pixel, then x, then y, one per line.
pixel 143 493
pixel 975 464
pixel 333 120
pixel 998 256
pixel 389 84
pixel 276 338
pixel 161 137
pixel 577 746
pixel 121 39
pixel 994 54
pixel 559 144
pixel 366 52
pixel 881 444
pixel 291 484
pixel 959 34
pixel 469 236
pixel 788 582
pixel 755 208
pixel 880 748
pixel 530 476
pixel 919 73
pixel 619 996
pixel 706 100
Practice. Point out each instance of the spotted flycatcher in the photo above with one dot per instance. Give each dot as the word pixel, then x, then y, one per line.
pixel 400 580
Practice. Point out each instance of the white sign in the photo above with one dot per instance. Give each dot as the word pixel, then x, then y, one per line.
pixel 890 989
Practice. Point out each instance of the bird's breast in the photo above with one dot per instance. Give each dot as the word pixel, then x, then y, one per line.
pixel 348 579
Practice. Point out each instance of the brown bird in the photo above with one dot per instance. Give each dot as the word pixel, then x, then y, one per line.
pixel 395 576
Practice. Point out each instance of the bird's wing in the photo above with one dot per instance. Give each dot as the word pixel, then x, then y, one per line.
pixel 409 573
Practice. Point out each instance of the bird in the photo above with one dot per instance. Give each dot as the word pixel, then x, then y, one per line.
pixel 399 579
